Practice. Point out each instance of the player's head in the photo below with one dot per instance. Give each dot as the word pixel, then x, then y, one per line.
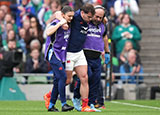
pixel 87 12
pixel 67 13
pixel 99 14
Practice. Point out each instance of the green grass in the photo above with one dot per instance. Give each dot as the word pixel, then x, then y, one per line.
pixel 38 108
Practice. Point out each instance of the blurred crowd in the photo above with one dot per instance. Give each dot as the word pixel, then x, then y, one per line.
pixel 23 23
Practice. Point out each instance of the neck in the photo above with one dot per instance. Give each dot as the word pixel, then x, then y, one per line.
pixel 125 25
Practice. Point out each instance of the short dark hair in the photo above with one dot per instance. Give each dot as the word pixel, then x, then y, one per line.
pixel 66 9
pixel 86 8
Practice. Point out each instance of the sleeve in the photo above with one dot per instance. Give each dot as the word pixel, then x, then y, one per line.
pixel 136 34
pixel 118 8
pixel 122 71
pixel 29 66
pixel 116 35
pixel 43 67
pixel 40 15
pixel 134 7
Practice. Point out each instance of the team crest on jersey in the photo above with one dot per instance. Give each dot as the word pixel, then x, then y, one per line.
pixel 131 29
pixel 68 61
pixel 60 68
pixel 66 35
pixel 120 29
pixel 81 22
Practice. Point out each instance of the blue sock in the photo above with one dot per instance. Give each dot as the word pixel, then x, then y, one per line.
pixel 50 105
pixel 63 104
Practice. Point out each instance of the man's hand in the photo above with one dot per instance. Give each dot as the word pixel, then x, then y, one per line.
pixel 63 21
pixel 36 64
pixel 58 15
pixel 105 20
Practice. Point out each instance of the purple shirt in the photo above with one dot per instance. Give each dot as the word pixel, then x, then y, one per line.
pixel 58 41
pixel 94 40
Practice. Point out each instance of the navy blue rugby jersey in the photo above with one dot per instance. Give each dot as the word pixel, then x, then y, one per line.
pixel 79 29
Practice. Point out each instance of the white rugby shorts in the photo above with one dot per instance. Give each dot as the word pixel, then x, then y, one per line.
pixel 75 59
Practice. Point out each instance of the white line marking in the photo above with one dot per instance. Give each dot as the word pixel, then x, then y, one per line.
pixel 136 105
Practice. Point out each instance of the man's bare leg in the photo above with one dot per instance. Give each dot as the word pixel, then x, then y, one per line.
pixel 69 76
pixel 84 87
pixel 83 76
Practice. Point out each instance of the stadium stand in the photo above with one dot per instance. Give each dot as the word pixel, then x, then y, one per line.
pixel 149 21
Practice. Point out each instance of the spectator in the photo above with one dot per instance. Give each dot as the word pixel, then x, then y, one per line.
pixel 35 44
pixel 123 56
pixel 119 19
pixel 128 6
pixel 22 37
pixel 43 10
pixel 26 25
pixel 131 67
pixel 55 6
pixel 5 8
pixel 21 11
pixel 35 63
pixel 35 32
pixel 9 19
pixel 36 5
pixel 125 32
pixel 68 2
pixel 6 29
pixel 111 21
pixel 10 36
pixel 108 4
pixel 9 59
pixel 78 4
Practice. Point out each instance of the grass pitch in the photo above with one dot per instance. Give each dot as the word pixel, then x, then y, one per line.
pixel 145 107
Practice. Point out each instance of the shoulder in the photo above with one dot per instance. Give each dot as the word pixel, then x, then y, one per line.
pixel 77 15
pixel 118 28
pixel 102 25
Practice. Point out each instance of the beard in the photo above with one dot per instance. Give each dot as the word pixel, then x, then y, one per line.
pixel 96 22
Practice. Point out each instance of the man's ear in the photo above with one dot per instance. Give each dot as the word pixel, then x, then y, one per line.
pixel 62 15
pixel 105 20
pixel 82 13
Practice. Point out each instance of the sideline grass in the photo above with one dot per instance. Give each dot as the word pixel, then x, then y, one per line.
pixel 37 108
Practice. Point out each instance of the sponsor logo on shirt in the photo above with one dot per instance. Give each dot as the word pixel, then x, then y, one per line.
pixel 84 30
pixel 66 36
